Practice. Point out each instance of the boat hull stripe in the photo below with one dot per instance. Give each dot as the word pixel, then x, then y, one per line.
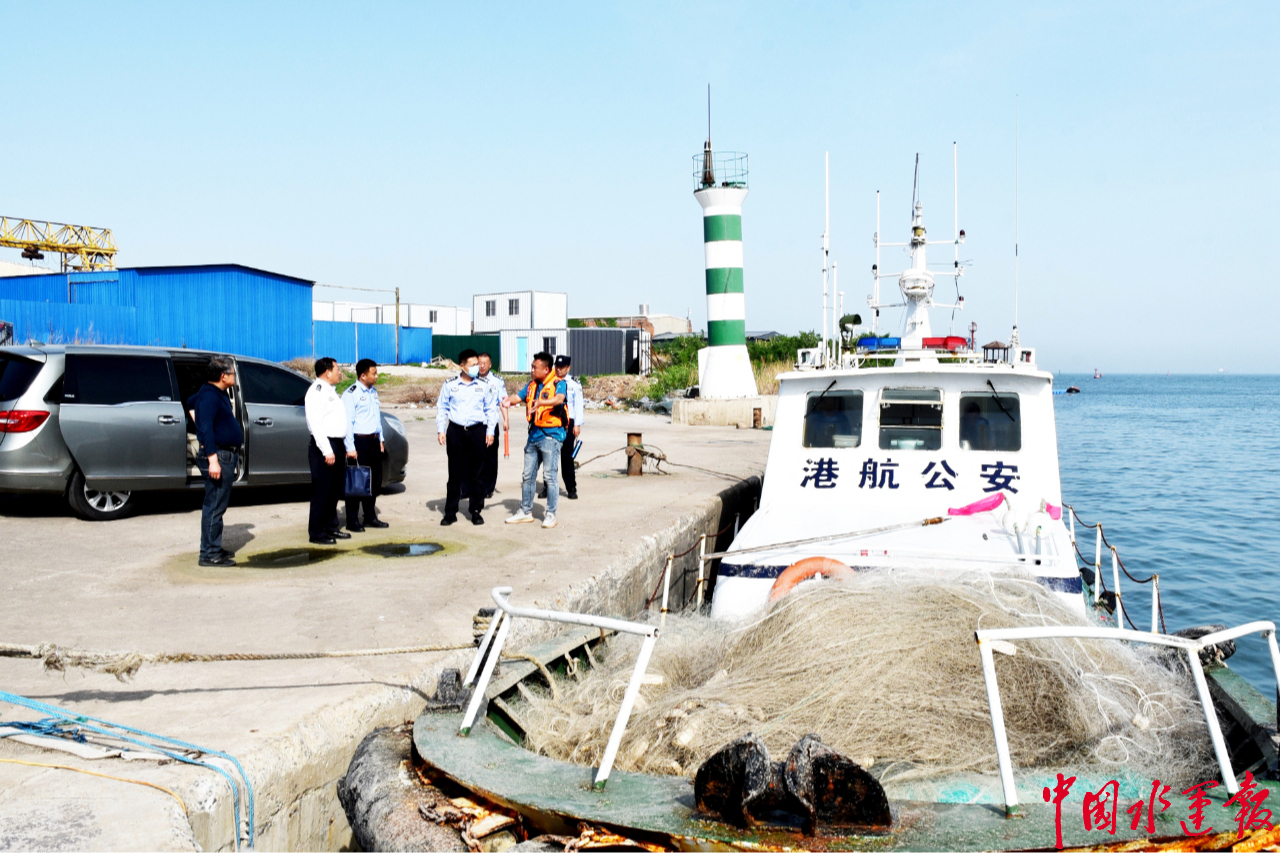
pixel 748 570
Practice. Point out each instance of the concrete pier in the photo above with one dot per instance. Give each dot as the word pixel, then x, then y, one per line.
pixel 134 585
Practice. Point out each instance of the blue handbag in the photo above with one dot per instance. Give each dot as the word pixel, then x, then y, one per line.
pixel 358 481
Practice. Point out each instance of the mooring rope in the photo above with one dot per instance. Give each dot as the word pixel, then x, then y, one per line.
pixel 125 665
pixel 659 458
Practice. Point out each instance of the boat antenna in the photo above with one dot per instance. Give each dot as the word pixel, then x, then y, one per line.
pixel 1014 338
pixel 915 184
pixel 955 183
pixel 875 275
pixel 708 113
pixel 826 230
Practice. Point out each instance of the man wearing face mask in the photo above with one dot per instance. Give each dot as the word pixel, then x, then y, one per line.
pixel 465 419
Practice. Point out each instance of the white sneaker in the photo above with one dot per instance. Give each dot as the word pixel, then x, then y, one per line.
pixel 549 520
pixel 520 517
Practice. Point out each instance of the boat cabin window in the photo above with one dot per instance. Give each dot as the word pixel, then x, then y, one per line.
pixel 833 419
pixel 990 422
pixel 910 419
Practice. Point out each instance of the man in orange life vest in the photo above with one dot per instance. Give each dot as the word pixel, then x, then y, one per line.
pixel 543 399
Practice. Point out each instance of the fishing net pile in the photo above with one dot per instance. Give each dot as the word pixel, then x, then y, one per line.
pixel 884 668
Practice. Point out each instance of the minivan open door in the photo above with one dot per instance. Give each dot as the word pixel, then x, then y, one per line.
pixel 122 421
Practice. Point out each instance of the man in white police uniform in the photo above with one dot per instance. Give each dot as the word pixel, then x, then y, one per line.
pixel 327 423
pixel 364 436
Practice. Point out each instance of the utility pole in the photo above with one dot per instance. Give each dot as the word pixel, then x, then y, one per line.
pixel 397 325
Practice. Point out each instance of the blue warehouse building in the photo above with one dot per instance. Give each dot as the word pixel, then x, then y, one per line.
pixel 223 307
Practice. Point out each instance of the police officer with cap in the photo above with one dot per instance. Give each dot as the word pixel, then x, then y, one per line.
pixel 574 409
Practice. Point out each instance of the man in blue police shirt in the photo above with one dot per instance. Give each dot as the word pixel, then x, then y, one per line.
pixel 466 415
pixel 364 436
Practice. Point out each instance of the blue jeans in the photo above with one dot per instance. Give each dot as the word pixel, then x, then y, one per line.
pixel 546 451
pixel 217 494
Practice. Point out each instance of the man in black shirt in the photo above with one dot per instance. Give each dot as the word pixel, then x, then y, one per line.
pixel 220 439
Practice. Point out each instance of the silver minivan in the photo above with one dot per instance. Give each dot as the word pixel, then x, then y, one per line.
pixel 101 423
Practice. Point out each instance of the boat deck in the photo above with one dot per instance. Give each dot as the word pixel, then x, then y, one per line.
pixel 555 797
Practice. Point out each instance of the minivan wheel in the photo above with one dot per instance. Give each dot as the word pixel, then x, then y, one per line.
pixel 93 505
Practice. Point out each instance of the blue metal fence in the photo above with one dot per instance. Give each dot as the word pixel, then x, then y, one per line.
pixel 350 342
pixel 415 344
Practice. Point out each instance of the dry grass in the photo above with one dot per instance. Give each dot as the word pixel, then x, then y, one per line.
pixel 767 375
pixel 302 364
pixel 621 387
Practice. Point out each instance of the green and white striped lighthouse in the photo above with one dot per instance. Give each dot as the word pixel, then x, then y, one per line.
pixel 724 368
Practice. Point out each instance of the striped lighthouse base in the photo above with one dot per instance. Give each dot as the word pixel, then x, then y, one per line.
pixel 725 372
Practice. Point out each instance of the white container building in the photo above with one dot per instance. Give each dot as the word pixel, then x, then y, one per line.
pixel 523 309
pixel 517 347
pixel 440 319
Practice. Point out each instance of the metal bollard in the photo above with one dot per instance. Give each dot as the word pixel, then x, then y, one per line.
pixel 635 461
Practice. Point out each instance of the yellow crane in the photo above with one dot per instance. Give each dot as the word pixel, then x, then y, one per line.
pixel 94 248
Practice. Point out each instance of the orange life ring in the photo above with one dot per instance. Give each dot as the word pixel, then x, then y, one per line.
pixel 803 570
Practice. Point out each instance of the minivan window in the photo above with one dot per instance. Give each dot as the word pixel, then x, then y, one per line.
pixel 109 380
pixel 990 422
pixel 833 419
pixel 910 419
pixel 16 375
pixel 273 386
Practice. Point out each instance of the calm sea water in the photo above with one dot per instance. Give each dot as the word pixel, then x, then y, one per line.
pixel 1184 473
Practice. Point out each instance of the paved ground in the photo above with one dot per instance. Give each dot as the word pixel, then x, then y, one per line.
pixel 134 584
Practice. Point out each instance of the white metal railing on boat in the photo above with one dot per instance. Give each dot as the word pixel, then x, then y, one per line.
pixel 496 636
pixel 1117 566
pixel 999 640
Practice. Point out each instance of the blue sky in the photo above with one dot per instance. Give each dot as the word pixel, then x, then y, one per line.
pixel 459 149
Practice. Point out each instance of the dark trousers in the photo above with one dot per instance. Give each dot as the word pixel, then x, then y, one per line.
pixel 369 454
pixel 327 486
pixel 217 494
pixel 566 461
pixel 465 446
pixel 489 476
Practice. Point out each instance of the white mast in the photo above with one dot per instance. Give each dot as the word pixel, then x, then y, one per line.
pixel 835 312
pixel 1013 339
pixel 874 301
pixel 826 228
pixel 917 282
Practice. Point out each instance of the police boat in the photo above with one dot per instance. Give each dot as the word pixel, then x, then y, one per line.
pixel 914 451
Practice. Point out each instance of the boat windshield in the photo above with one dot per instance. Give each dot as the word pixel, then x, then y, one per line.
pixel 990 422
pixel 833 419
pixel 910 419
